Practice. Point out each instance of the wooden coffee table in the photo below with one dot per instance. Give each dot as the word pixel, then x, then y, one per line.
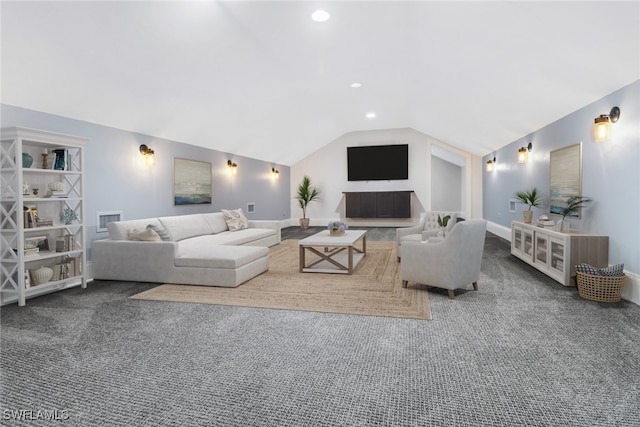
pixel 338 254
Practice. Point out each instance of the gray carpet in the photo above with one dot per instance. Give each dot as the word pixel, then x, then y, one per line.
pixel 522 350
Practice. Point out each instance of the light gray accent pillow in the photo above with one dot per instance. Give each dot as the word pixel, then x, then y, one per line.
pixel 161 232
pixel 146 235
pixel 235 219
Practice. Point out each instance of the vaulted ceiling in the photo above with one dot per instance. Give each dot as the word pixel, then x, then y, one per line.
pixel 262 79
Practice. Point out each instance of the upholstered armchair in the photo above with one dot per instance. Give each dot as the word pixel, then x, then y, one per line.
pixel 428 227
pixel 451 263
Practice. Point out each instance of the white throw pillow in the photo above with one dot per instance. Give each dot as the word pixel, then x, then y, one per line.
pixel 235 219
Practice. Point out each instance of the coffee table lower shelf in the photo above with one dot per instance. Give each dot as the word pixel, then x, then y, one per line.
pixel 324 266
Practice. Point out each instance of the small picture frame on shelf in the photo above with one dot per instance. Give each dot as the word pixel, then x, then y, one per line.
pixel 60 159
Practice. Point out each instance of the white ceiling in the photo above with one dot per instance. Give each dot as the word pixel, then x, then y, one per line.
pixel 261 79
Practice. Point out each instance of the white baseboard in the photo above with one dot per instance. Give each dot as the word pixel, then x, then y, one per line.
pixel 631 289
pixel 499 230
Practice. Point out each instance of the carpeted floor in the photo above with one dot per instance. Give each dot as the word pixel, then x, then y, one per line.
pixel 374 289
pixel 521 351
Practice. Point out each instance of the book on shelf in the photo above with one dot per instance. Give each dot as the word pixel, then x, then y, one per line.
pixel 66 243
pixel 39 242
pixel 29 218
pixel 546 223
pixel 69 267
pixel 31 251
pixel 54 194
pixel 44 222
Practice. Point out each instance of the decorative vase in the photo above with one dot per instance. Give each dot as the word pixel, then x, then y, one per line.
pixel 27 160
pixel 304 223
pixel 563 226
pixel 527 215
pixel 42 275
pixel 336 233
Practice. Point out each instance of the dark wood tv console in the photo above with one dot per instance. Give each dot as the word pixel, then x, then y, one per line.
pixel 378 204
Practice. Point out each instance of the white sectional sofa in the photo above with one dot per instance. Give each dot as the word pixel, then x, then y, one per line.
pixel 198 249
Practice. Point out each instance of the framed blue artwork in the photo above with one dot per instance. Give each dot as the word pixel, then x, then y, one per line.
pixel 191 182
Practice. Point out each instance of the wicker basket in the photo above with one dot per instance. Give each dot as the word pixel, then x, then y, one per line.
pixel 599 288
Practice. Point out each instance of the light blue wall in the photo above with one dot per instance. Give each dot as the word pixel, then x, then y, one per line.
pixel 115 179
pixel 610 176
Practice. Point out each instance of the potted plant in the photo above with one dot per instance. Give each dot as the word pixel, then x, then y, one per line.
pixel 442 222
pixel 572 205
pixel 306 194
pixel 530 198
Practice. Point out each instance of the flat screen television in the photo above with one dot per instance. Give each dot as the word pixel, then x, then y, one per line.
pixel 378 162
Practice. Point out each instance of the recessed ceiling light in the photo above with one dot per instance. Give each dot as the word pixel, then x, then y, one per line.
pixel 371 115
pixel 356 84
pixel 320 15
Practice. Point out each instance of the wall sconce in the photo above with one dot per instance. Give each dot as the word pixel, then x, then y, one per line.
pixel 491 164
pixel 149 154
pixel 275 173
pixel 523 153
pixel 232 166
pixel 602 125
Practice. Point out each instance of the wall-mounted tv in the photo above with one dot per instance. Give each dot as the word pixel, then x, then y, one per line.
pixel 378 162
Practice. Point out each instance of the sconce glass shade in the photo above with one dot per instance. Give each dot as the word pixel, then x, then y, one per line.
pixel 523 155
pixel 275 173
pixel 149 155
pixel 233 167
pixel 602 125
pixel 601 128
pixel 491 164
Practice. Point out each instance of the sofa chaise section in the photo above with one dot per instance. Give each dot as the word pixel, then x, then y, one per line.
pixel 200 251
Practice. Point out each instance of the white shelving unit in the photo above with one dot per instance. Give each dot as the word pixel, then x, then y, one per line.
pixel 556 254
pixel 16 282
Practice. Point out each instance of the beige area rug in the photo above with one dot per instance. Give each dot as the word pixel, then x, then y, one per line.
pixel 374 289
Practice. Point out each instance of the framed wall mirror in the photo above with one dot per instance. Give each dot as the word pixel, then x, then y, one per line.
pixel 565 180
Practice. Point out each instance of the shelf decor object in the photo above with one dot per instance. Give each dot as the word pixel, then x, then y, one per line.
pixel 27 216
pixel 27 160
pixel 42 275
pixel 67 216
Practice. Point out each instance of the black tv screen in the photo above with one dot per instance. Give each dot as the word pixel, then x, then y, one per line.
pixel 378 162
